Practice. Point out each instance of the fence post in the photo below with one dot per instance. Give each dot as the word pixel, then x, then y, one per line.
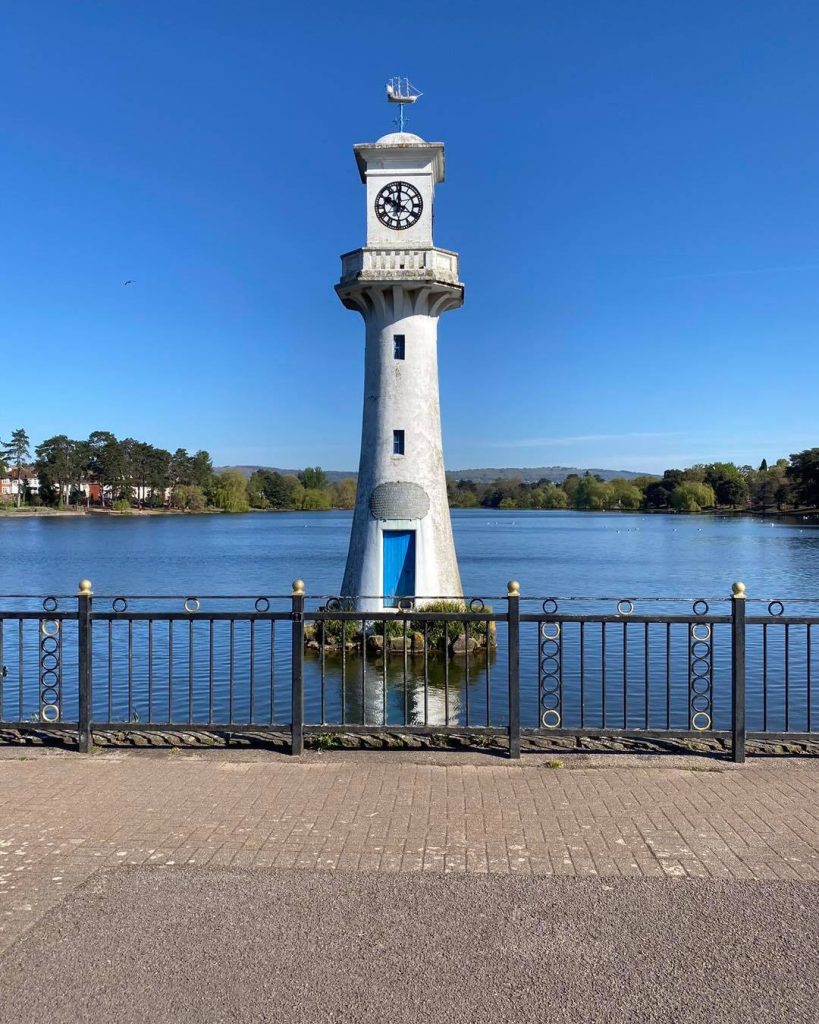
pixel 297 715
pixel 513 607
pixel 84 597
pixel 738 672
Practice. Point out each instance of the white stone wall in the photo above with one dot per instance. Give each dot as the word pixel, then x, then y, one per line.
pixel 402 395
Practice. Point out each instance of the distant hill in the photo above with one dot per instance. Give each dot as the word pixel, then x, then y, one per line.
pixel 531 474
pixel 528 474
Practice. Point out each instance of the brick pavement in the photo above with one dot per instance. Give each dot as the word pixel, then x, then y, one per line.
pixel 64 816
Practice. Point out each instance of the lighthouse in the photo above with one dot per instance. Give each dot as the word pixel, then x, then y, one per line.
pixel 401 542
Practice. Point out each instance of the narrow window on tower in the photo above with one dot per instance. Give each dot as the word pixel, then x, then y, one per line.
pixel 398 442
pixel 398 346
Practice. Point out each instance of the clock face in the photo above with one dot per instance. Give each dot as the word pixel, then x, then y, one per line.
pixel 399 205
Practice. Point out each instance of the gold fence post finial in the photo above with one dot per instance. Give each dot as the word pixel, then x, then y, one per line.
pixel 513 588
pixel 298 588
pixel 738 590
pixel 85 589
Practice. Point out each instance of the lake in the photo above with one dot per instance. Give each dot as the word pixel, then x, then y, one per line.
pixel 565 553
pixel 551 553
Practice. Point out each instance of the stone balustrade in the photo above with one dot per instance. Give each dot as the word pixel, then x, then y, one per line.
pixel 400 265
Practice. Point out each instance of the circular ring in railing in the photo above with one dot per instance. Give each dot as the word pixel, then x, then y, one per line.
pixel 550 700
pixel 706 721
pixel 549 648
pixel 552 603
pixel 191 605
pixel 50 627
pixel 700 625
pixel 405 604
pixel 333 605
pixel 700 667
pixel 701 702
pixel 780 608
pixel 51 673
pixel 49 695
pixel 50 604
pixel 550 636
pixel 700 649
pixel 49 660
pixel 119 604
pixel 551 719
pixel 49 645
pixel 262 604
pixel 548 669
pixel 477 605
pixel 700 607
pixel 50 713
pixel 622 609
pixel 700 685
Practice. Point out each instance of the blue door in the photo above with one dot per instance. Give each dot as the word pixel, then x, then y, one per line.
pixel 399 565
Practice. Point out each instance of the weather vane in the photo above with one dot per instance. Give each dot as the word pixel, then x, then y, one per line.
pixel 401 91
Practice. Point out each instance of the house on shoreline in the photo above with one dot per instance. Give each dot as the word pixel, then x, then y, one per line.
pixel 26 478
pixel 93 493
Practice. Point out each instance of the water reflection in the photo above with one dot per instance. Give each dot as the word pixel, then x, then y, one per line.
pixel 397 690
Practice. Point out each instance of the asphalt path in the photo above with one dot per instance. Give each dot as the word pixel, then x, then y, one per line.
pixel 193 944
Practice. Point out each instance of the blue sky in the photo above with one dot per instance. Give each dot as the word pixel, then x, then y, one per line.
pixel 632 187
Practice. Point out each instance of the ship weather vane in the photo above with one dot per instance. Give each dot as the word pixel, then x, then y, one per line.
pixel 402 92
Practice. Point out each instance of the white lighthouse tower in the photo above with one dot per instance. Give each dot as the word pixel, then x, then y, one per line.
pixel 401 542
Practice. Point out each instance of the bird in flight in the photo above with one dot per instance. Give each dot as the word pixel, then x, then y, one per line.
pixel 127 282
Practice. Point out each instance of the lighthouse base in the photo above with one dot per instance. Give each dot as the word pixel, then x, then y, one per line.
pixel 392 561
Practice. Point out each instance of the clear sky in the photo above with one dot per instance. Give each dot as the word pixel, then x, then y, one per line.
pixel 633 188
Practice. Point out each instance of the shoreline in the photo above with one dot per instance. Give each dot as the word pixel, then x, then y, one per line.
pixel 801 515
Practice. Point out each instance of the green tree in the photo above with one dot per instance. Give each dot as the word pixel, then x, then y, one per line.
pixel 181 468
pixel 570 485
pixel 315 499
pixel 508 489
pixel 15 453
pixel 658 493
pixel 158 473
pixel 105 461
pixel 60 463
pixel 201 470
pixel 230 491
pixel 313 478
pixel 554 498
pixel 730 486
pixel 343 493
pixel 467 499
pixel 282 490
pixel 188 498
pixel 256 489
pixel 589 493
pixel 691 496
pixel 803 474
pixel 625 495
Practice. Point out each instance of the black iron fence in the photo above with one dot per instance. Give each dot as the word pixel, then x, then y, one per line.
pixel 508 667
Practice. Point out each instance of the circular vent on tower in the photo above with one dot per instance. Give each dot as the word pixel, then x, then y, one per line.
pixel 399 501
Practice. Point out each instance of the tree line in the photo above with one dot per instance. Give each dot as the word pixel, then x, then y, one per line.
pixel 787 484
pixel 104 471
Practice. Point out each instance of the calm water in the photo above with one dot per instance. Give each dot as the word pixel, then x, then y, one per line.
pixel 563 553
pixel 560 553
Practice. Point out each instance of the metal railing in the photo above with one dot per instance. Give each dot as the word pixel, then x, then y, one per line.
pixel 507 667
